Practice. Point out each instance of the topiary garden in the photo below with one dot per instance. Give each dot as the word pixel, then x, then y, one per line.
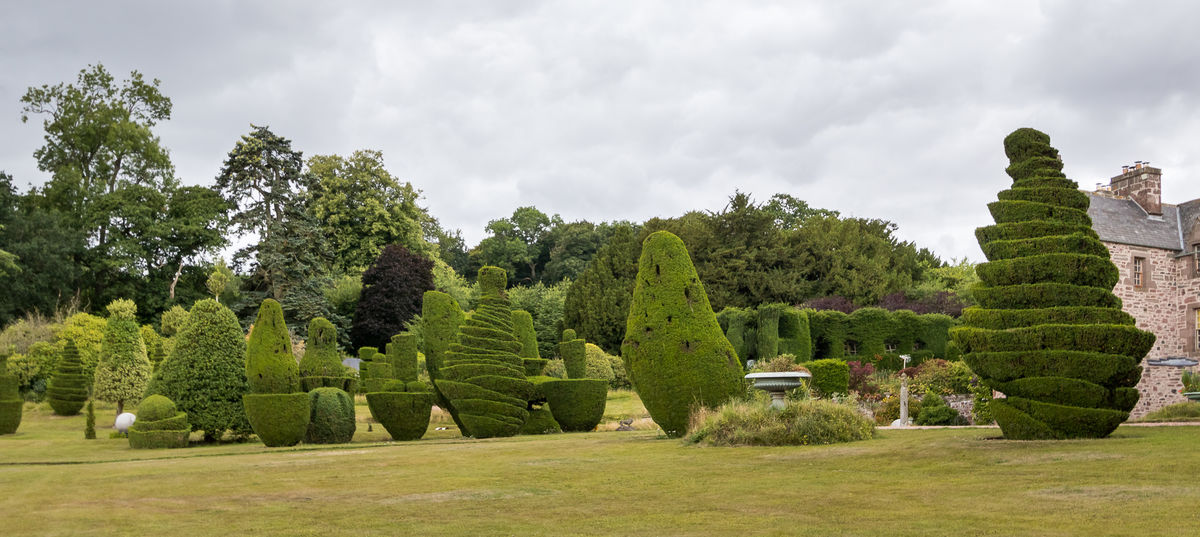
pixel 68 387
pixel 275 407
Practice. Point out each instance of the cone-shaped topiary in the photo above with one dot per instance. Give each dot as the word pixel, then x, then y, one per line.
pixel 441 317
pixel 483 377
pixel 124 368
pixel 277 410
pixel 159 425
pixel 332 419
pixel 11 404
pixel 205 374
pixel 321 365
pixel 674 350
pixel 1048 331
pixel 524 332
pixel 574 357
pixel 68 387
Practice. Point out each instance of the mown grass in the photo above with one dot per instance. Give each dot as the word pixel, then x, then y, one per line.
pixel 904 482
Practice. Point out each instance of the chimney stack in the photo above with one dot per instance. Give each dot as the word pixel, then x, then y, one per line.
pixel 1142 184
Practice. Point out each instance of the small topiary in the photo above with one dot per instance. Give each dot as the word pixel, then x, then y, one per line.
pixel 11 404
pixel 599 365
pixel 524 332
pixel 404 415
pixel 277 410
pixel 159 425
pixel 332 418
pixel 402 354
pixel 568 335
pixel 89 426
pixel 541 421
pixel 124 368
pixel 366 355
pixel 830 377
pixel 321 366
pixel 577 404
pixel 935 411
pixel 68 387
pixel 574 356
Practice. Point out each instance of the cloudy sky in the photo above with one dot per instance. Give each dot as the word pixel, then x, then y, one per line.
pixel 628 110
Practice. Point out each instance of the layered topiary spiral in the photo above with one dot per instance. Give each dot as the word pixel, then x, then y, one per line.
pixel 674 350
pixel 159 425
pixel 483 377
pixel 1048 331
pixel 68 387
pixel 278 411
pixel 11 404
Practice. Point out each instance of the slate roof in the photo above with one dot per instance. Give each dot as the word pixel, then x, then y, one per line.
pixel 1123 221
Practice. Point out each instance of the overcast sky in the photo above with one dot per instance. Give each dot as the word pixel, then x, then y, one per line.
pixel 614 110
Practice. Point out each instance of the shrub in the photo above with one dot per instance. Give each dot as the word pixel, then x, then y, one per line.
pixel 440 319
pixel 277 411
pixel 205 375
pixel 794 334
pixel 404 415
pixel 173 320
pixel 332 418
pixel 829 330
pixel 1185 411
pixel 1048 332
pixel 674 350
pixel 599 364
pixel 889 408
pixel 124 368
pixel 1191 381
pixel 871 328
pixel 620 379
pixel 944 378
pixel 799 423
pixel 279 419
pixel 574 357
pixel 89 427
pixel 545 305
pixel 402 355
pixel 767 331
pixel 68 388
pixel 524 332
pixel 541 421
pixel 861 379
pixel 159 425
pixel 321 365
pixel 935 411
pixel 577 404
pixel 740 327
pixel 830 377
pixel 154 345
pixel 392 290
pixel 11 404
pixel 482 376
pixel 597 302
pixel 555 368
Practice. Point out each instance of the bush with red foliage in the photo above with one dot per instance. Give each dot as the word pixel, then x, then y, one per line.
pixel 861 381
pixel 391 295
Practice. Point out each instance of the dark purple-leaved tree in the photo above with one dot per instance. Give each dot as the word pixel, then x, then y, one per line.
pixel 391 295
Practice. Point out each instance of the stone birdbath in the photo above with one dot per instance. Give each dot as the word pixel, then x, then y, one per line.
pixel 778 383
pixel 1192 396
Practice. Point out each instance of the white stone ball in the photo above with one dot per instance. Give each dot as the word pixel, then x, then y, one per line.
pixel 124 421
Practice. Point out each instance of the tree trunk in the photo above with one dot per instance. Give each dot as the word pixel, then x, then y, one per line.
pixel 120 410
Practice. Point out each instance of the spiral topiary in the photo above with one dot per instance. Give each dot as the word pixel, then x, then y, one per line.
pixel 332 418
pixel 483 377
pixel 159 425
pixel 277 410
pixel 321 366
pixel 68 387
pixel 674 350
pixel 1048 331
pixel 11 404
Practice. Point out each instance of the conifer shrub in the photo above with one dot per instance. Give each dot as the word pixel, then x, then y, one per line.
pixel 574 357
pixel 205 375
pixel 11 404
pixel 829 376
pixel 524 332
pixel 767 346
pixel 332 418
pixel 870 328
pixel 597 302
pixel 366 355
pixel 89 427
pixel 600 364
pixel 576 404
pixel 392 291
pixel 405 416
pixel 277 410
pixel 674 351
pixel 68 387
pixel 441 318
pixel 159 424
pixel 321 366
pixel 795 338
pixel 124 368
pixel 482 375
pixel 1048 331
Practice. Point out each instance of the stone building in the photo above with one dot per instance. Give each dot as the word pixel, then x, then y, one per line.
pixel 1155 247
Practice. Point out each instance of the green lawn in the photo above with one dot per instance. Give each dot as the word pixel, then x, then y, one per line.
pixel 1142 481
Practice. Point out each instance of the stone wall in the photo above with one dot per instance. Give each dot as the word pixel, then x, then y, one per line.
pixel 1160 387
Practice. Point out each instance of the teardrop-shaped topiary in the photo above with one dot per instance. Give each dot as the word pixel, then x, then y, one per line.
pixel 483 377
pixel 1048 331
pixel 674 350
pixel 124 369
pixel 68 387
pixel 11 404
pixel 321 365
pixel 270 365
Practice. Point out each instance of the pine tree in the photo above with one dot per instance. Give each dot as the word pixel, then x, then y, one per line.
pixel 597 303
pixel 124 367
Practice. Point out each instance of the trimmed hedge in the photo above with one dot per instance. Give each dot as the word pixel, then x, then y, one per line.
pixel 279 419
pixel 870 328
pixel 321 366
pixel 739 326
pixel 795 337
pixel 482 376
pixel 674 350
pixel 270 365
pixel 159 425
pixel 402 354
pixel 829 377
pixel 404 415
pixel 574 357
pixel 366 357
pixel 440 318
pixel 1049 333
pixel 68 387
pixel 767 331
pixel 332 417
pixel 829 329
pixel 541 421
pixel 11 404
pixel 577 404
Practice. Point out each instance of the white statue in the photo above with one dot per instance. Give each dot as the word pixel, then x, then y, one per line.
pixel 123 422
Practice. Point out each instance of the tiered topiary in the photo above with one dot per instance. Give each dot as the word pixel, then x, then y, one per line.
pixel 321 366
pixel 277 409
pixel 332 418
pixel 1048 331
pixel 68 387
pixel 674 350
pixel 402 404
pixel 440 318
pixel 11 404
pixel 159 425
pixel 124 368
pixel 483 377
pixel 524 332
pixel 368 381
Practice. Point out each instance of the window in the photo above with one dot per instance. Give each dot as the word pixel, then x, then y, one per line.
pixel 1196 328
pixel 889 346
pixel 851 348
pixel 1196 259
pixel 1139 276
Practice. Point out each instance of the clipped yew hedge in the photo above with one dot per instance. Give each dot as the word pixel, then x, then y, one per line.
pixel 332 418
pixel 405 416
pixel 159 424
pixel 276 408
pixel 576 404
pixel 11 404
pixel 321 366
pixel 68 387
pixel 829 376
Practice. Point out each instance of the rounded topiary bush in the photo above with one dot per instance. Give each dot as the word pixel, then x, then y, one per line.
pixel 935 411
pixel 68 387
pixel 675 351
pixel 1048 332
pixel 321 366
pixel 404 415
pixel 799 423
pixel 332 418
pixel 278 419
pixel 159 424
pixel 11 404
pixel 577 404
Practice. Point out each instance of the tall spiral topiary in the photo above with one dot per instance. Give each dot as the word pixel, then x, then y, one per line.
pixel 1048 331
pixel 68 387
pixel 321 365
pixel 11 404
pixel 276 408
pixel 124 368
pixel 483 377
pixel 674 350
pixel 441 317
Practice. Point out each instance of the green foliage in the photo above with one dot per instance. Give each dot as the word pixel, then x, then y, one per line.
pixel 279 419
pixel 829 377
pixel 154 345
pixel 674 350
pixel 1191 381
pixel 577 404
pixel 89 427
pixel 799 423
pixel 218 280
pixel 332 418
pixel 514 244
pixel 159 425
pixel 870 328
pixel 402 355
pixel 574 357
pixel 270 365
pixel 795 338
pixel 393 288
pixel 600 365
pixel 68 388
pixel 597 302
pixel 173 320
pixel 11 404
pixel 740 327
pixel 1049 333
pixel 482 376
pixel 322 363
pixel 935 411
pixel 1186 411
pixel 524 332
pixel 555 369
pixel 541 421
pixel 441 318
pixel 829 331
pixel 205 375
pixel 404 415
pixel 545 304
pixel 124 368
pixel 767 331
pixel 155 408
